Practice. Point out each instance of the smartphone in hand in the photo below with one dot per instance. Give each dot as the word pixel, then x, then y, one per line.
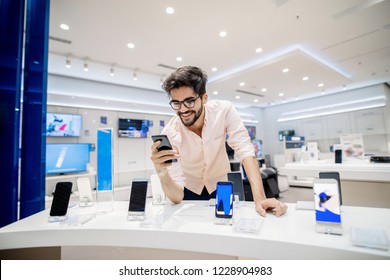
pixel 164 145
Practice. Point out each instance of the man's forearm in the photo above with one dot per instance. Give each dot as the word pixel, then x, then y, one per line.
pixel 172 190
pixel 252 170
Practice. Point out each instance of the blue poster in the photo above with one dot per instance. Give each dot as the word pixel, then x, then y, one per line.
pixel 104 159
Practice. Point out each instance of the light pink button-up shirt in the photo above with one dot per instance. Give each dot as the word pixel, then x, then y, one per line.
pixel 203 160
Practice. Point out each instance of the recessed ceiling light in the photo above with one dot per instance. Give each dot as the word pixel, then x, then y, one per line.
pixel 285 70
pixel 256 100
pixel 170 10
pixel 263 90
pixel 242 84
pixel 222 34
pixel 64 26
pixel 214 69
pixel 179 58
pixel 320 85
pixel 215 92
pixel 237 97
pixel 281 94
pixel 258 50
pixel 305 78
pixel 130 45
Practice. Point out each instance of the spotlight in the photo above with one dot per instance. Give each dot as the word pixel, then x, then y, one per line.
pixel 68 63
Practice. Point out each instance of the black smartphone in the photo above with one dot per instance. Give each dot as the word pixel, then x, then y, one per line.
pixel 238 186
pixel 60 203
pixel 224 200
pixel 332 175
pixel 338 156
pixel 138 197
pixel 164 145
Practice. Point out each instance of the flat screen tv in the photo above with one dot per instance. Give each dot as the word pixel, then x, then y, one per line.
pixel 288 132
pixel 67 158
pixel 63 125
pixel 133 128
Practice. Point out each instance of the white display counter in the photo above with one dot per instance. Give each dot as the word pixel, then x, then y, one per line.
pixel 190 227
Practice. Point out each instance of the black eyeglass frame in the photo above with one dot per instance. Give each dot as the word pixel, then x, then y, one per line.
pixel 188 106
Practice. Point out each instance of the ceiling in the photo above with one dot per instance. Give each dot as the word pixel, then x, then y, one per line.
pixel 341 44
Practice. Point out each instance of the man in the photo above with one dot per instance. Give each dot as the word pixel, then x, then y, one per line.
pixel 197 134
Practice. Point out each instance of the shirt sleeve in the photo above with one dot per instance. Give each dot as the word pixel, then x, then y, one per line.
pixel 175 170
pixel 238 136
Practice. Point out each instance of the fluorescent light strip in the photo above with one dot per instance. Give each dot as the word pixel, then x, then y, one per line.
pixel 274 56
pixel 331 112
pixel 376 98
pixel 250 121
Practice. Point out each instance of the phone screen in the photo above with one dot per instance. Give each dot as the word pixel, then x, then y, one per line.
pixel 164 145
pixel 138 196
pixel 60 203
pixel 224 200
pixel 327 201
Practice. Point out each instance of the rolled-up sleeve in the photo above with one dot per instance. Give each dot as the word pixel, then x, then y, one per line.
pixel 238 136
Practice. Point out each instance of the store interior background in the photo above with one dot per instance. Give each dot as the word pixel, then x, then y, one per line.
pixel 344 45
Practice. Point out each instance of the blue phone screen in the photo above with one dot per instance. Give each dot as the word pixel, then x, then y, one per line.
pixel 224 200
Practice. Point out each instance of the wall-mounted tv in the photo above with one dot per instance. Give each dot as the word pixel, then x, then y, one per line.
pixel 67 158
pixel 63 125
pixel 133 128
pixel 288 132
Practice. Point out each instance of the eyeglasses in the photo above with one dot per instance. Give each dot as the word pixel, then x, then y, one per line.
pixel 188 103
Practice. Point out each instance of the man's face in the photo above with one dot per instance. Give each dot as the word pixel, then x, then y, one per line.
pixel 188 116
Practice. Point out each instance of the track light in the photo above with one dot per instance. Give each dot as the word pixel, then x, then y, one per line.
pixel 86 67
pixel 112 71
pixel 68 62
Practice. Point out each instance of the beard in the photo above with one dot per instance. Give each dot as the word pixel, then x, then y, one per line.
pixel 195 114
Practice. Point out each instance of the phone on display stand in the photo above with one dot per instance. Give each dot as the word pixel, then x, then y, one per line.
pixel 164 145
pixel 137 201
pixel 327 206
pixel 60 203
pixel 224 200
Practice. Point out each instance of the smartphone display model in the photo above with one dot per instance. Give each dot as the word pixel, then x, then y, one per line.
pixel 60 203
pixel 164 145
pixel 85 191
pixel 138 197
pixel 224 200
pixel 238 186
pixel 333 175
pixel 338 156
pixel 327 201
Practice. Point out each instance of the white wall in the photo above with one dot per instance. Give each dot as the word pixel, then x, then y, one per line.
pixel 373 143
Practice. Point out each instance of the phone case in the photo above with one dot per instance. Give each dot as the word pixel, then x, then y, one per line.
pixel 60 203
pixel 164 145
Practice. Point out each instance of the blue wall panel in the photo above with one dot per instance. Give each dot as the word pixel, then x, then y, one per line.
pixel 11 47
pixel 32 184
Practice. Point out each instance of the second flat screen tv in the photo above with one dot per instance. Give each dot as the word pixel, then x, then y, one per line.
pixel 133 128
pixel 63 125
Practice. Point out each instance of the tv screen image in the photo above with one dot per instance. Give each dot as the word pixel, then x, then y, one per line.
pixel 288 132
pixel 63 125
pixel 132 128
pixel 66 158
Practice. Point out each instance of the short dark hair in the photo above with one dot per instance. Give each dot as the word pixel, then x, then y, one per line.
pixel 187 76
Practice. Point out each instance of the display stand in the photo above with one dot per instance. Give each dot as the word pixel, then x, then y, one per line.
pixel 329 229
pixel 137 217
pixel 85 202
pixel 57 219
